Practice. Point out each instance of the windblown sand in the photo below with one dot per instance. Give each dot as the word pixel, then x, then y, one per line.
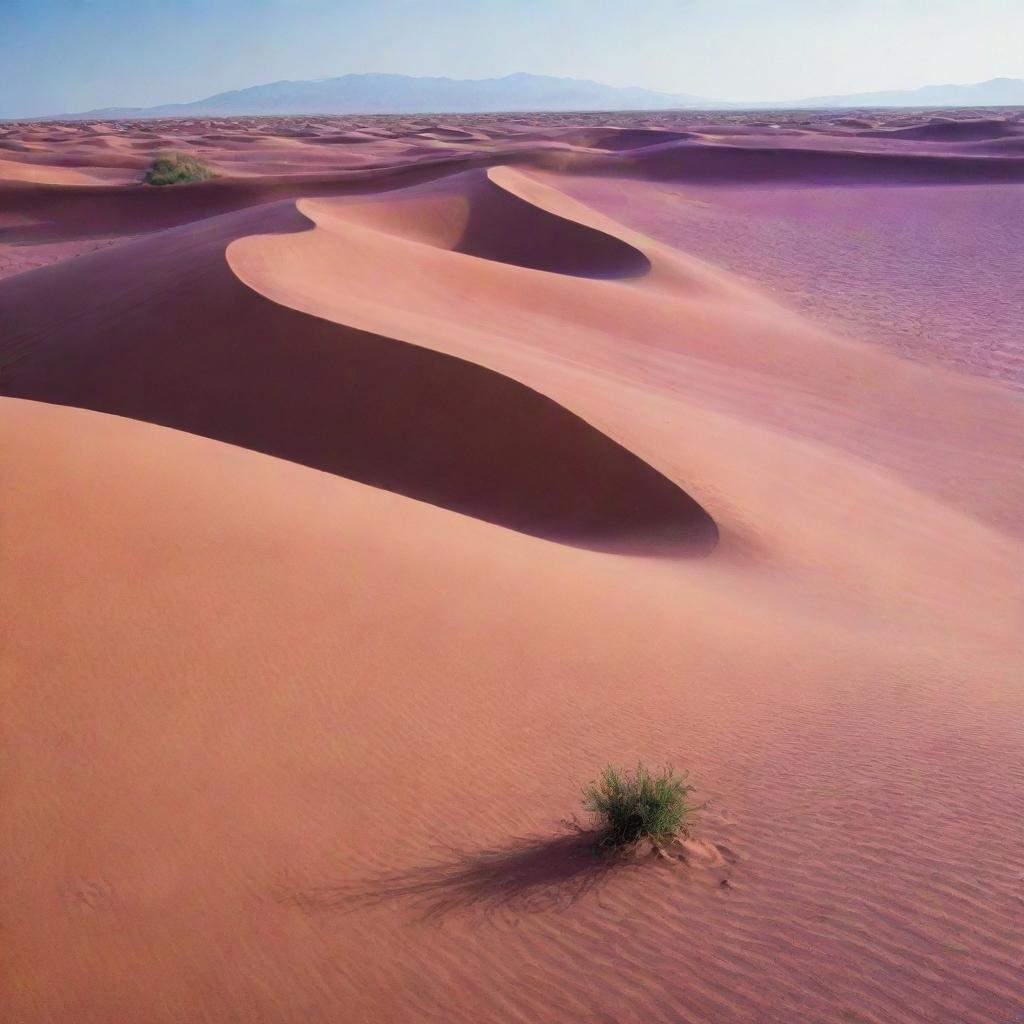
pixel 360 504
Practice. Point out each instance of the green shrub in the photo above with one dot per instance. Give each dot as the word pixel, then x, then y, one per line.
pixel 641 804
pixel 177 168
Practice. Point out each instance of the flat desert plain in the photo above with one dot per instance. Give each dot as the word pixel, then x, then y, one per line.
pixel 361 503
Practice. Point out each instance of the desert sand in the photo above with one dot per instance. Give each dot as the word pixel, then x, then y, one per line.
pixel 361 503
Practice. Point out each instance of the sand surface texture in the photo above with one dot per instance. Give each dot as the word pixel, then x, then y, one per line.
pixel 361 503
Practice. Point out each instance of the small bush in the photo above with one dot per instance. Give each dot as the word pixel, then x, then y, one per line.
pixel 177 168
pixel 637 805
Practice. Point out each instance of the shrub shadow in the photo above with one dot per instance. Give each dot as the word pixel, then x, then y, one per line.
pixel 527 875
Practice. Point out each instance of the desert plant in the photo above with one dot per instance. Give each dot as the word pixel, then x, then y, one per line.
pixel 177 168
pixel 637 805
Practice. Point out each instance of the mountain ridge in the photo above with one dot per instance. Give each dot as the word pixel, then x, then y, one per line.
pixel 405 94
pixel 386 93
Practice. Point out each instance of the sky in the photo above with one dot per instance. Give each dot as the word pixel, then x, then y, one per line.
pixel 62 56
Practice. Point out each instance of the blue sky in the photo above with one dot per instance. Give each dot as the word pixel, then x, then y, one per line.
pixel 68 55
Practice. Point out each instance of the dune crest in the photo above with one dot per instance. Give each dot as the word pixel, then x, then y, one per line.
pixel 417 421
pixel 490 215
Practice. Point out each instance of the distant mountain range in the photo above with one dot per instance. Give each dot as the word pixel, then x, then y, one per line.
pixel 997 92
pixel 402 94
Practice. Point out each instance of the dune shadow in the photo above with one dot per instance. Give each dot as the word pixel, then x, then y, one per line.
pixel 472 214
pixel 526 875
pixel 506 229
pixel 177 339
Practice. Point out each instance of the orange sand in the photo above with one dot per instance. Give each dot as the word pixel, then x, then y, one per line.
pixel 391 512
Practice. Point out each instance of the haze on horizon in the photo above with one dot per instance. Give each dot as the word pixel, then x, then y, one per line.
pixel 68 55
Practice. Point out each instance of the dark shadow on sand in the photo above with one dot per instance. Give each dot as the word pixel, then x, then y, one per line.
pixel 528 875
pixel 162 330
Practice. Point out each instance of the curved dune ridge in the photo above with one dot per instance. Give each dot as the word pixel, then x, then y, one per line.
pixel 474 214
pixel 612 335
pixel 179 341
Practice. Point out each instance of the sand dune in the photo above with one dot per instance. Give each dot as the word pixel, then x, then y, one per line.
pixel 615 139
pixel 73 183
pixel 962 130
pixel 682 318
pixel 363 406
pixel 50 174
pixel 473 214
pixel 342 520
